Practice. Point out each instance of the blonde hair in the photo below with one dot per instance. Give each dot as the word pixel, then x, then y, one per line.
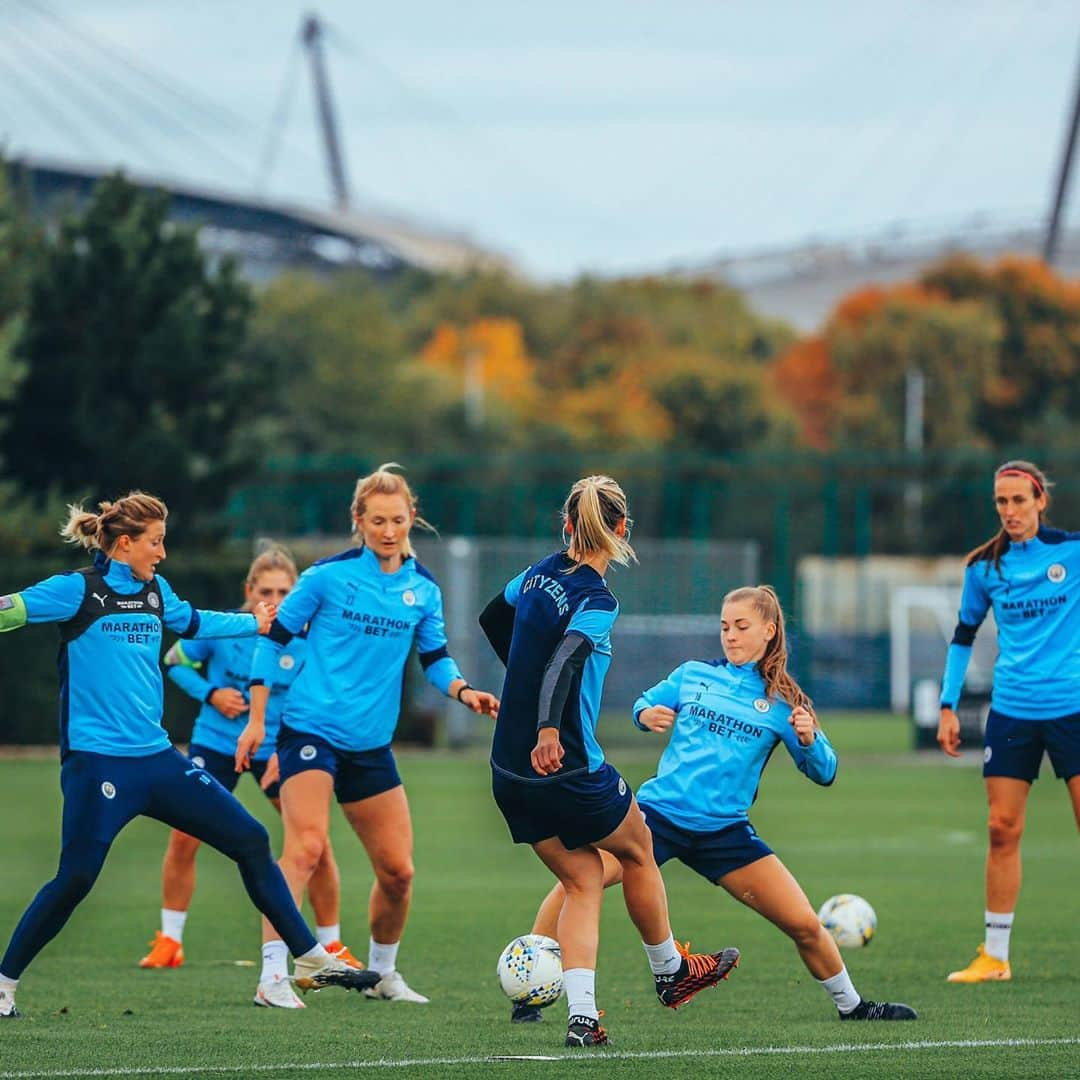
pixel 271 557
pixel 384 482
pixel 992 550
pixel 773 665
pixel 130 515
pixel 593 509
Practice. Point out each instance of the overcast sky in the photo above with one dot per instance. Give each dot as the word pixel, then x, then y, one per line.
pixel 572 135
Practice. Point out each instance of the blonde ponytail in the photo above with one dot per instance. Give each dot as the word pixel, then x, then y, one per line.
pixel 128 516
pixel 593 510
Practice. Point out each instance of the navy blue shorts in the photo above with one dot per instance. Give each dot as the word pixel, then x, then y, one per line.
pixel 711 854
pixel 1015 748
pixel 358 774
pixel 222 767
pixel 579 810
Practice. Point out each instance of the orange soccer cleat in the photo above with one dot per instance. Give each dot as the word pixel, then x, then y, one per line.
pixel 984 968
pixel 165 952
pixel 696 972
pixel 336 948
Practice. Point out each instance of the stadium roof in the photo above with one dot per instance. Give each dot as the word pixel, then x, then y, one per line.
pixel 270 235
pixel 802 283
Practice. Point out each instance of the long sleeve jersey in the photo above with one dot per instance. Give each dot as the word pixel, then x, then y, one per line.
pixel 559 655
pixel 724 733
pixel 110 648
pixel 362 624
pixel 201 667
pixel 1036 600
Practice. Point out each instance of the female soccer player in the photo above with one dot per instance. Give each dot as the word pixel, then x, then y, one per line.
pixel 364 610
pixel 117 762
pixel 551 626
pixel 215 672
pixel 725 718
pixel 1030 575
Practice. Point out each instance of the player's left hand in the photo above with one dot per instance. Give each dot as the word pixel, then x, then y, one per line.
pixel 480 701
pixel 264 615
pixel 802 720
pixel 548 753
pixel 272 772
pixel 248 743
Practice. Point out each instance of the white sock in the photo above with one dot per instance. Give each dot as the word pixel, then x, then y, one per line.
pixel 6 983
pixel 580 986
pixel 172 923
pixel 275 961
pixel 998 929
pixel 327 935
pixel 664 959
pixel 382 958
pixel 316 952
pixel 841 989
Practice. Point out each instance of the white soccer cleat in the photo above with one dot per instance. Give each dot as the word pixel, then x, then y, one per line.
pixel 7 1004
pixel 316 972
pixel 277 993
pixel 393 987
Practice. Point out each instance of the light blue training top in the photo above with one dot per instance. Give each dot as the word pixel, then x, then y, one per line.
pixel 201 667
pixel 1035 596
pixel 362 624
pixel 724 733
pixel 111 690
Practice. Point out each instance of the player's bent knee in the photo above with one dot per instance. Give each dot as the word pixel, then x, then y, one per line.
pixel 75 883
pixel 305 851
pixel 806 930
pixel 396 881
pixel 1005 832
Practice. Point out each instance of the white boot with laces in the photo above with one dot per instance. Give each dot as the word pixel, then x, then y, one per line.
pixel 393 987
pixel 277 993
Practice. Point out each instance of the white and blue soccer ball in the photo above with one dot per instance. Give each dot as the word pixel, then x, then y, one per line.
pixel 850 920
pixel 530 970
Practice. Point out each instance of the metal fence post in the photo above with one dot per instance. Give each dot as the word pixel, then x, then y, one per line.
pixel 461 606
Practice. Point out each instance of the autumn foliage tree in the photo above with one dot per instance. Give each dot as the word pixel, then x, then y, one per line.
pixel 998 347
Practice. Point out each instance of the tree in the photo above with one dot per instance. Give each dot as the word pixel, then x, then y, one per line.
pixel 129 348
pixel 847 384
pixel 1037 384
pixel 346 380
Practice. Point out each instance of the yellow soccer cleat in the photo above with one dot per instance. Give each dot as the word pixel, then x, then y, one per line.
pixel 336 948
pixel 983 968
pixel 165 952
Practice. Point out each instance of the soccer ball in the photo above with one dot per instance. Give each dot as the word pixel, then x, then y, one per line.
pixel 530 970
pixel 850 920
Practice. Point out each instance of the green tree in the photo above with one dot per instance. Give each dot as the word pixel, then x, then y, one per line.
pixel 129 348
pixel 953 346
pixel 1035 396
pixel 346 381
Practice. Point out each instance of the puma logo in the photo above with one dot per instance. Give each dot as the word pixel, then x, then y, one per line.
pixel 100 599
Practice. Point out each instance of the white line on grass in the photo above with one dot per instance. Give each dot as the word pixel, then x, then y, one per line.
pixel 603 1055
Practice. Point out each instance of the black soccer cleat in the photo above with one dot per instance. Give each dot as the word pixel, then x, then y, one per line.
pixel 880 1010
pixel 585 1031
pixel 526 1014
pixel 696 972
pixel 336 973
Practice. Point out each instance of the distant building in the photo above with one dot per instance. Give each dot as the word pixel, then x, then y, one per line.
pixel 801 284
pixel 270 236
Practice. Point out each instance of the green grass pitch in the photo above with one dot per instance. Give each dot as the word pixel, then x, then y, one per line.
pixel 906 832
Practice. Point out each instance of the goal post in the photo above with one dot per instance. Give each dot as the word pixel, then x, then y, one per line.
pixel 921 623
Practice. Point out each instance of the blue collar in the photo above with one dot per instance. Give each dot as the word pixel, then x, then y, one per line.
pixel 119 575
pixel 373 565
